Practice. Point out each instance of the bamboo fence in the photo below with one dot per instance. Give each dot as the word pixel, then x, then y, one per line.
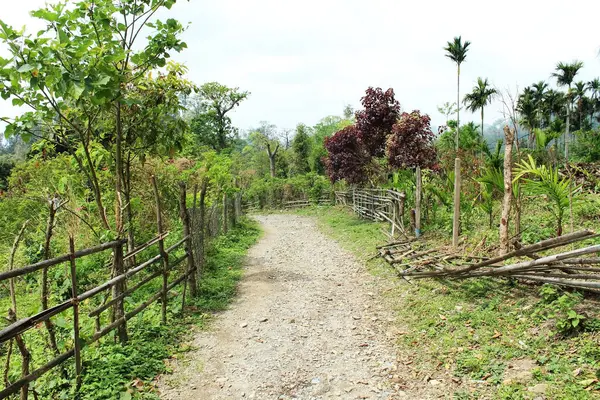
pixel 382 205
pixel 121 286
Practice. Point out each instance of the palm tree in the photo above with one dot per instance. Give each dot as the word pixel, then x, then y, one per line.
pixel 594 87
pixel 554 104
pixel 565 74
pixel 480 97
pixel 528 112
pixel 539 94
pixel 579 92
pixel 457 52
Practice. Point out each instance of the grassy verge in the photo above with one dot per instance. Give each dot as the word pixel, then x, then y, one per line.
pixel 112 371
pixel 485 338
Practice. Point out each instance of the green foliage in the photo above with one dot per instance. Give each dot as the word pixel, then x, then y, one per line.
pixel 560 306
pixel 301 147
pixel 272 193
pixel 587 146
pixel 547 183
pixel 209 120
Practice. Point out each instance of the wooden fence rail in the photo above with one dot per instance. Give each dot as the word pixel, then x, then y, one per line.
pixel 119 292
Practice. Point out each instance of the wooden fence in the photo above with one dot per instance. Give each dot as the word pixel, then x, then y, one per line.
pixel 325 200
pixel 384 205
pixel 167 258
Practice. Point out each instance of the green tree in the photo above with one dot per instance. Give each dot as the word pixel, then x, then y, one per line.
pixel 457 52
pixel 583 102
pixel 481 96
pixel 447 109
pixel 528 113
pixel 539 95
pixel 301 146
pixel 211 124
pixel 75 76
pixel 265 139
pixel 325 128
pixel 565 74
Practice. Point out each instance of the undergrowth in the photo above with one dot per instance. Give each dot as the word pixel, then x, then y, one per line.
pixel 473 331
pixel 112 371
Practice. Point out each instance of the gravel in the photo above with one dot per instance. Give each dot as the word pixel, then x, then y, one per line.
pixel 308 323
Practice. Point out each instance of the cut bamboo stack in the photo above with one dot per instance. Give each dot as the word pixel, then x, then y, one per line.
pixel 578 268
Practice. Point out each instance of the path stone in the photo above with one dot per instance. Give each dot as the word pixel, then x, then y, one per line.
pixel 323 330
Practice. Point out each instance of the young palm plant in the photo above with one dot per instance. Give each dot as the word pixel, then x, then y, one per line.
pixel 457 52
pixel 491 185
pixel 481 96
pixel 544 181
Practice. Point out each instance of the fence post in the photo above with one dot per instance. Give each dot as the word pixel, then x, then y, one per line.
pixel 185 219
pixel 418 203
pixel 74 294
pixel 164 256
pixel 225 227
pixel 456 218
pixel 117 291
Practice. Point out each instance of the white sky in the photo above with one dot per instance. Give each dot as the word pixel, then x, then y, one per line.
pixel 305 60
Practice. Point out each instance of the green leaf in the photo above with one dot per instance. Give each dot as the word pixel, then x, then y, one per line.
pixel 60 322
pixel 45 14
pixel 76 90
pixel 103 80
pixel 25 68
pixel 17 102
pixel 125 396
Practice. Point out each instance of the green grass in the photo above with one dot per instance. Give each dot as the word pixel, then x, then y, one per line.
pixel 473 329
pixel 113 371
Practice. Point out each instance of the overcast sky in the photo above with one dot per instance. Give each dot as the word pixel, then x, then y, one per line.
pixel 305 60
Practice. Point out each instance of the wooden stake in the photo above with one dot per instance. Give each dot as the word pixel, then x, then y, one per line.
pixel 418 196
pixel 12 314
pixel 117 290
pixel 456 217
pixel 161 249
pixel 75 315
pixel 185 219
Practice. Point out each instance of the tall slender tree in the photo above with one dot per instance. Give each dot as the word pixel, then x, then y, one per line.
pixel 457 52
pixel 481 96
pixel 565 74
pixel 579 97
pixel 594 87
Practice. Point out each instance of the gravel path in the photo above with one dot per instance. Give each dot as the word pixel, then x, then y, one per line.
pixel 307 324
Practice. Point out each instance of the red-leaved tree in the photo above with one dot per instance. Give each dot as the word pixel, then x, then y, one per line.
pixel 347 156
pixel 375 122
pixel 411 142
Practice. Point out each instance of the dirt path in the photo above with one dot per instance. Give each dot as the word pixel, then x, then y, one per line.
pixel 307 324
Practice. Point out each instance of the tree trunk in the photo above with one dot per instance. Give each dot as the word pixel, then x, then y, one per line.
pixel 482 137
pixel 119 172
pixel 456 215
pixel 457 135
pixel 95 184
pixel 509 136
pixel 129 210
pixel 568 127
pixel 49 230
pixel 272 165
